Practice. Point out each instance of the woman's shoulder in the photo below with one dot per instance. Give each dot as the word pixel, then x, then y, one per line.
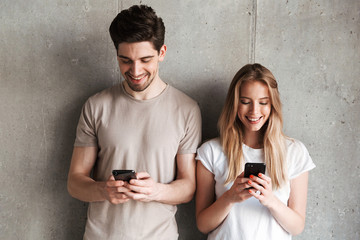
pixel 211 149
pixel 212 156
pixel 295 145
pixel 211 144
pixel 298 158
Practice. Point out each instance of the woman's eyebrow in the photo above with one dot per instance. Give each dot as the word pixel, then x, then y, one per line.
pixel 263 98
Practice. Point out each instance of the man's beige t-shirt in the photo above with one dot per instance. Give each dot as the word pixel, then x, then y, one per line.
pixel 142 136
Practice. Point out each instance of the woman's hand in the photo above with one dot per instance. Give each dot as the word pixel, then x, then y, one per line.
pixel 211 212
pixel 262 189
pixel 239 190
pixel 290 216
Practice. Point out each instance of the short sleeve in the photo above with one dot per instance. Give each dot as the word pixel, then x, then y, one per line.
pixel 85 131
pixel 192 137
pixel 205 155
pixel 299 159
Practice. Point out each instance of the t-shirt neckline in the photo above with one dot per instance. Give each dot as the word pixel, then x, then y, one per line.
pixel 146 100
pixel 252 149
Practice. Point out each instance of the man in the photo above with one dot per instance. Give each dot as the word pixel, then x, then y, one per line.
pixel 142 124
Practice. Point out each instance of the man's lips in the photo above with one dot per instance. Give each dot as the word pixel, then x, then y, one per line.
pixel 136 79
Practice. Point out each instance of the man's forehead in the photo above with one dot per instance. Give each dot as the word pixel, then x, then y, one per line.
pixel 136 48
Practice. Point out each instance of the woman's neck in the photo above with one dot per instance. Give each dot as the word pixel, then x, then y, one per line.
pixel 254 139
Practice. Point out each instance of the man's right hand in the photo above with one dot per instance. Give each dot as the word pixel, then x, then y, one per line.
pixel 114 191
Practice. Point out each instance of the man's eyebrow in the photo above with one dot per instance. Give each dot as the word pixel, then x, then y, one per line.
pixel 150 56
pixel 121 56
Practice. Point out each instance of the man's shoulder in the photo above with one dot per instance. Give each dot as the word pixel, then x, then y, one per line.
pixel 105 96
pixel 181 97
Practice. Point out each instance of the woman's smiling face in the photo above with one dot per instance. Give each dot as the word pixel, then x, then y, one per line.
pixel 254 106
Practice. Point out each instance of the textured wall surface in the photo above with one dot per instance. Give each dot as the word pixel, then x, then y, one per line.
pixel 55 54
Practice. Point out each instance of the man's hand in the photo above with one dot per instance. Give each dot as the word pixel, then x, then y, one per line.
pixel 115 191
pixel 144 188
pixel 181 190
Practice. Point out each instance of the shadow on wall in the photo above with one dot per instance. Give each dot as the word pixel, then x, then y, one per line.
pixel 211 97
pixel 81 72
pixel 186 221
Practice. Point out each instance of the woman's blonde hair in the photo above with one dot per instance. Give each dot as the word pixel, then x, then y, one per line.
pixel 231 128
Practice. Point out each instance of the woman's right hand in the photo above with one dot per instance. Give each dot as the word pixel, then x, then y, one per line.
pixel 239 190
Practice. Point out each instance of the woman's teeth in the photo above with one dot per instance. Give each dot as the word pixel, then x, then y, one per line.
pixel 254 119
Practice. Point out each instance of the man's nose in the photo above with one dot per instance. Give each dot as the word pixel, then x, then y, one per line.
pixel 136 69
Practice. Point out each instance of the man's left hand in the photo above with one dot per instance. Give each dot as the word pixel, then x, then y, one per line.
pixel 144 188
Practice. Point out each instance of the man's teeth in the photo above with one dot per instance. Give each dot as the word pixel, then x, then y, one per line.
pixel 137 78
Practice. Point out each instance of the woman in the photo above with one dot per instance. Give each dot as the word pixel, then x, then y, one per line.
pixel 267 206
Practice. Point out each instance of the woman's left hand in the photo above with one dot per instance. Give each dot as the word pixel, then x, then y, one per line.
pixel 261 189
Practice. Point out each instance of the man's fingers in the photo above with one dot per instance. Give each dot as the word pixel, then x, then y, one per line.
pixel 142 175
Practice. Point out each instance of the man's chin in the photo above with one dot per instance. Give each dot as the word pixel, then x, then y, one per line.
pixel 138 88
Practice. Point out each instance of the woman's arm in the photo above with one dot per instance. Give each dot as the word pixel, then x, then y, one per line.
pixel 291 217
pixel 210 213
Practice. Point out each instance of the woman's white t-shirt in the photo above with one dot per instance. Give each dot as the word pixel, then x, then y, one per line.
pixel 250 220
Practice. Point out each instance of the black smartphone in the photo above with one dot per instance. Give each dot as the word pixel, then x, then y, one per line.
pixel 124 175
pixel 254 169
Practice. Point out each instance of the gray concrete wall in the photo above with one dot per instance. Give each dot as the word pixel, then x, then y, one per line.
pixel 55 54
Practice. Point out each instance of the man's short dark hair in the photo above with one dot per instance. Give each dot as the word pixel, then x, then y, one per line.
pixel 137 24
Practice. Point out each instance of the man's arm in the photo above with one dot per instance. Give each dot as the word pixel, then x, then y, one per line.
pixel 81 186
pixel 181 190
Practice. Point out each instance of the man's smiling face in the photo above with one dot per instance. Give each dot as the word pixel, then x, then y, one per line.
pixel 139 64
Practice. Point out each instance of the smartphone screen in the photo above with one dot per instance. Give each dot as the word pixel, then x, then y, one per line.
pixel 124 175
pixel 254 169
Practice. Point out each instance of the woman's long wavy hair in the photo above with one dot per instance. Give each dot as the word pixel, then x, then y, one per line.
pixel 232 132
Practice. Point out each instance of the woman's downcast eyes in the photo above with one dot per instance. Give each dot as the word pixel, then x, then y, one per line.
pixel 248 102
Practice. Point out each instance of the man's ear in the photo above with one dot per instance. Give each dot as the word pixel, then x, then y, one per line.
pixel 162 53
